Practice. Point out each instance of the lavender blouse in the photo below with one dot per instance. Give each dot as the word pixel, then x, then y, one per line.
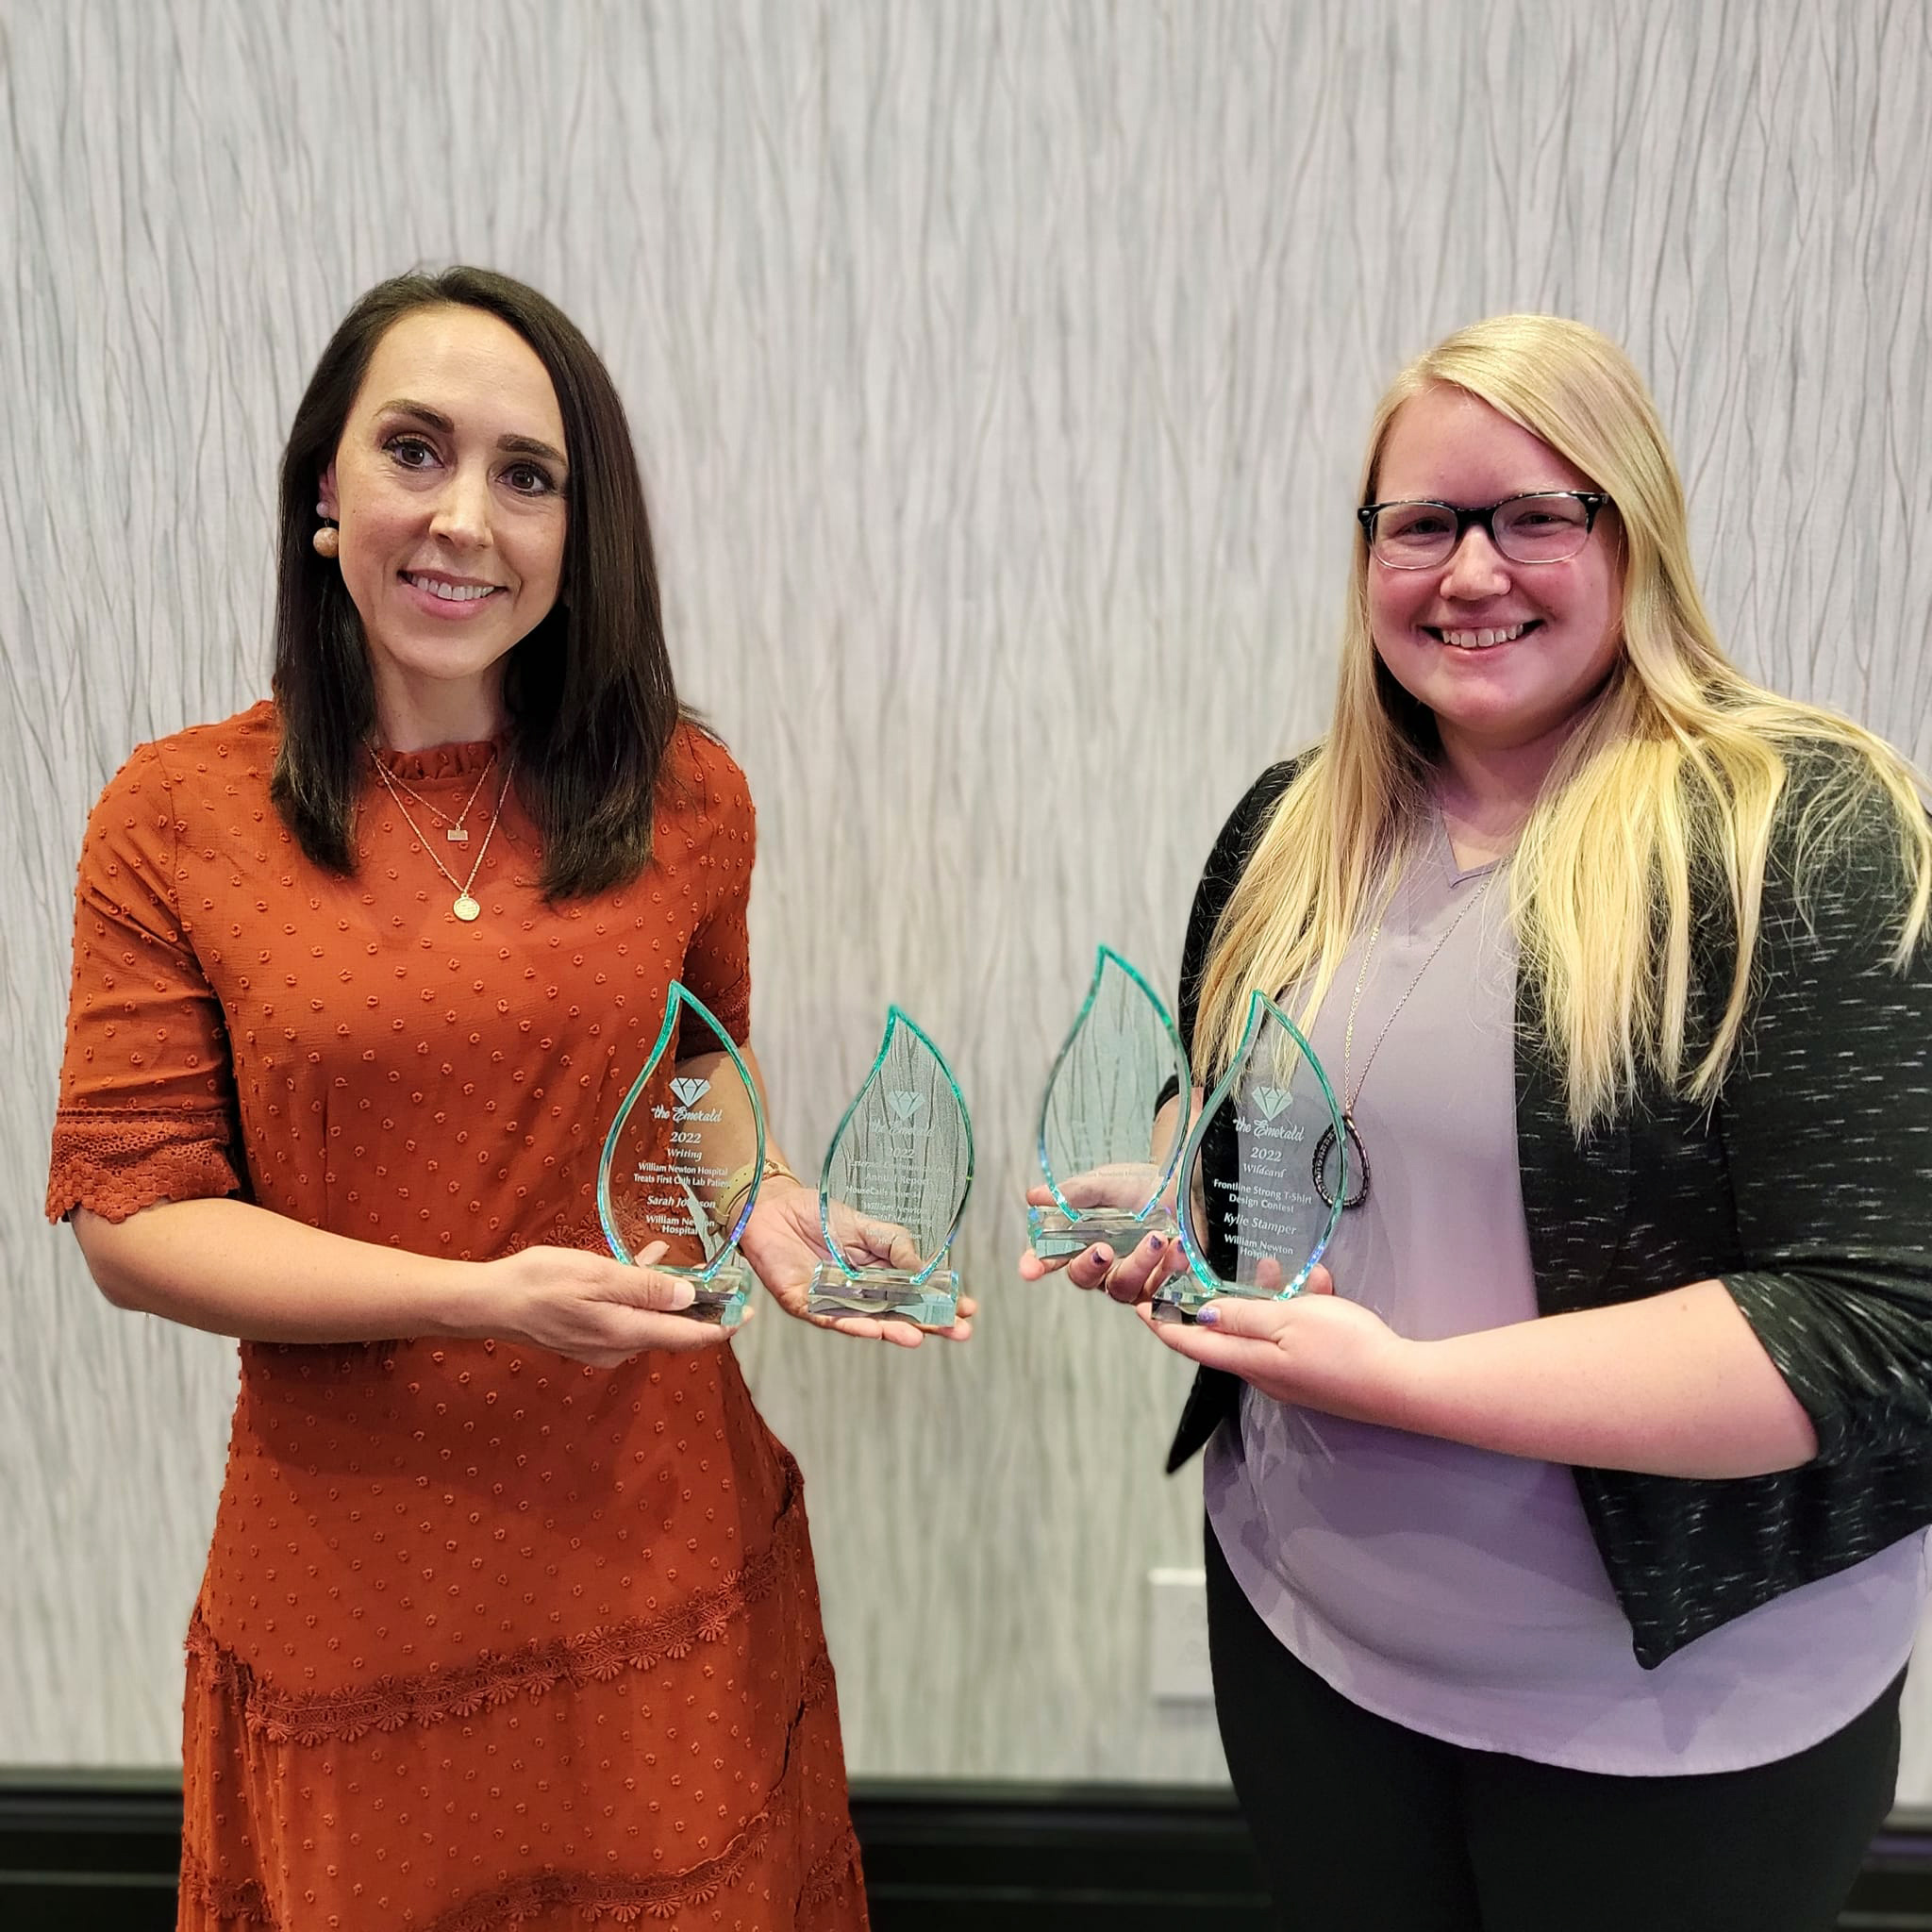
pixel 1455 1591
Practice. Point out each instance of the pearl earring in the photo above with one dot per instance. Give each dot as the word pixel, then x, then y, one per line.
pixel 328 540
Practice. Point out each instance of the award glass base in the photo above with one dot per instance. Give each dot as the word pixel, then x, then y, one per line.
pixel 888 1294
pixel 1180 1298
pixel 1055 1236
pixel 723 1296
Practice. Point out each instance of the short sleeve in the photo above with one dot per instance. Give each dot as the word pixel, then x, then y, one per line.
pixel 147 1106
pixel 717 961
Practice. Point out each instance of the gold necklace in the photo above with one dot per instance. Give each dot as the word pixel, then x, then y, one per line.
pixel 458 833
pixel 1357 1152
pixel 465 907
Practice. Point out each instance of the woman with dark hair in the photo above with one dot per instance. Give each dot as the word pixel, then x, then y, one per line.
pixel 510 1616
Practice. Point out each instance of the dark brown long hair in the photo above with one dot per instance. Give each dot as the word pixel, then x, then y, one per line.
pixel 591 703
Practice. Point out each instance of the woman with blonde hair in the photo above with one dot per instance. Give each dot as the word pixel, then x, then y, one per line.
pixel 1567 1544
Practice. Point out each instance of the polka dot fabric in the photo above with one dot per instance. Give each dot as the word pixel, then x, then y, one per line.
pixel 487 1638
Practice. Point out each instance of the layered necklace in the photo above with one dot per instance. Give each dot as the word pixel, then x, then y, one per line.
pixel 465 906
pixel 1358 1155
pixel 457 832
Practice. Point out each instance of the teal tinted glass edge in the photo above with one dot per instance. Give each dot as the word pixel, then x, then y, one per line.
pixel 895 1016
pixel 1260 1007
pixel 1102 958
pixel 680 995
pixel 758 1120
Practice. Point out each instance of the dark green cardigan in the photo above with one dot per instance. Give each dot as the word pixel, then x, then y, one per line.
pixel 1806 1190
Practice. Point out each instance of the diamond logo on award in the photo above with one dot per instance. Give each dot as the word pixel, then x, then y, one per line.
pixel 662 1164
pixel 905 1105
pixel 1271 1099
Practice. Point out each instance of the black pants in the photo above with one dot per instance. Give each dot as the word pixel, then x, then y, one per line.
pixel 1365 1826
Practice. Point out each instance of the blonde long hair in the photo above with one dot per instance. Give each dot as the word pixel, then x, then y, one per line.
pixel 1674 770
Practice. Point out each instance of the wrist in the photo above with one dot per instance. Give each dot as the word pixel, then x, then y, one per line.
pixel 772 1178
pixel 463 1301
pixel 1407 1387
pixel 781 1180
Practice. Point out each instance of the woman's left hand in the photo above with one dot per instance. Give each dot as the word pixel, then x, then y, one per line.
pixel 1316 1351
pixel 783 1244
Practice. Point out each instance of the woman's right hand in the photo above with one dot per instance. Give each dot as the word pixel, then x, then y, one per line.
pixel 1130 1278
pixel 588 1307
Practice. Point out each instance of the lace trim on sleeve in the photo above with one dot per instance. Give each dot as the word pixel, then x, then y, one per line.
pixel 115 1162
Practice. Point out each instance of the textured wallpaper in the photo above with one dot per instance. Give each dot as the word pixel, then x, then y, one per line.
pixel 1000 373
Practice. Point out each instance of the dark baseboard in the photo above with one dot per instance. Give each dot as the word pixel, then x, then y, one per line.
pixel 90 1851
pixel 957 1858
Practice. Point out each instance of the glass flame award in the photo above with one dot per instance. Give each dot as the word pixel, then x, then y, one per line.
pixel 667 1155
pixel 1096 1119
pixel 1264 1172
pixel 903 1154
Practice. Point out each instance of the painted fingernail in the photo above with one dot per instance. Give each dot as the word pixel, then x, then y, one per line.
pixel 1208 1316
pixel 1154 1245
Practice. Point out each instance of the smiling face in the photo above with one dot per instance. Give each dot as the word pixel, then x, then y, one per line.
pixel 1506 655
pixel 448 483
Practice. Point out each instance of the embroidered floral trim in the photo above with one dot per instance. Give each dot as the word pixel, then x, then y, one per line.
pixel 628 1901
pixel 838 1870
pixel 117 1161
pixel 622 1899
pixel 583 1231
pixel 393 1703
pixel 245 1901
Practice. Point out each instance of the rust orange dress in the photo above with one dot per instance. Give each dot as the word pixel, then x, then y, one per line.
pixel 487 1638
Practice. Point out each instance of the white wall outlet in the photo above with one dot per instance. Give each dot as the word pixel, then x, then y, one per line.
pixel 1177 1636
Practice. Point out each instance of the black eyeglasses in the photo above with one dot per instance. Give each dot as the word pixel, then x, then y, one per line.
pixel 1546 526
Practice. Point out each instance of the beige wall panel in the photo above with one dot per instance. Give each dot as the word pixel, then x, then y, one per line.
pixel 999 372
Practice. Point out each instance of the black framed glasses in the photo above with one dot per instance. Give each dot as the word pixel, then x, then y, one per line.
pixel 1545 526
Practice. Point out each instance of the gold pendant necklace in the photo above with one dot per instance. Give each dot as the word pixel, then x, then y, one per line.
pixel 457 832
pixel 465 906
